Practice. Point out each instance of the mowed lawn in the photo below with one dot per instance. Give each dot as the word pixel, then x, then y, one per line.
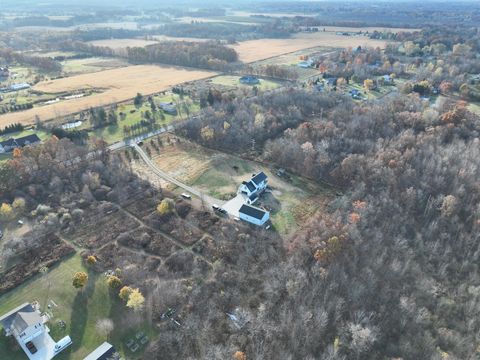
pixel 80 309
pixel 114 133
pixel 234 81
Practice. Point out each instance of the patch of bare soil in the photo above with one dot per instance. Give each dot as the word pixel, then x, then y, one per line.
pixel 48 249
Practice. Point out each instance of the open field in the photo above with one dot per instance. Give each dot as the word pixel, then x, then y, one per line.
pixel 233 81
pixel 122 43
pixel 254 50
pixel 118 84
pixel 172 38
pixel 93 64
pixel 219 175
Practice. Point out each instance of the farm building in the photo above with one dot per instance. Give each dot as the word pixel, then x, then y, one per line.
pixel 169 108
pixel 249 80
pixel 305 64
pixel 10 144
pixel 253 215
pixel 104 352
pixel 27 326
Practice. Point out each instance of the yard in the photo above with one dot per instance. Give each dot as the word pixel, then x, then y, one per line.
pixel 293 199
pixel 79 309
pixel 114 133
pixel 233 81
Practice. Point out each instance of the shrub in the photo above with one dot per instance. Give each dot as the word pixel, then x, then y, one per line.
pixel 91 260
pixel 165 207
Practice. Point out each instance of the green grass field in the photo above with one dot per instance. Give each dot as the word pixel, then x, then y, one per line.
pixel 233 81
pixel 43 135
pixel 114 133
pixel 80 309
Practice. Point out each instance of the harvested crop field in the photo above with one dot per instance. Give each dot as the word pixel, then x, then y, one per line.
pixel 254 50
pixel 117 85
pixel 122 43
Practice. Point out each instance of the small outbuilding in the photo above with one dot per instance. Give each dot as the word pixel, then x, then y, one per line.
pixel 253 215
pixel 105 351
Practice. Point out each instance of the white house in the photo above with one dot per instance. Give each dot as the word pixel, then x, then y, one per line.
pixel 253 215
pixel 254 187
pixel 27 326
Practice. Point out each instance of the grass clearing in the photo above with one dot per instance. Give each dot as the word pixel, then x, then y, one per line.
pixel 114 133
pixel 43 135
pixel 79 309
pixel 233 81
pixel 89 65
pixel 122 43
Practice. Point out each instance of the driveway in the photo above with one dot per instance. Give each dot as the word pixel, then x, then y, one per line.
pixel 45 347
pixel 208 199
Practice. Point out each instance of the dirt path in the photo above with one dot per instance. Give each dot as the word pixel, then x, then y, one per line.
pixel 168 237
pixel 210 200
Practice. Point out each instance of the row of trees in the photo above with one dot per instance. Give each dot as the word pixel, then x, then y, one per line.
pixel 44 63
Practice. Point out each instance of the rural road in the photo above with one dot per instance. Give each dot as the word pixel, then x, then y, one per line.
pixel 208 199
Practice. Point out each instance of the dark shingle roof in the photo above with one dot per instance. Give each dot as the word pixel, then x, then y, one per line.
pixel 26 140
pixel 251 186
pixel 257 179
pixel 253 196
pixel 252 211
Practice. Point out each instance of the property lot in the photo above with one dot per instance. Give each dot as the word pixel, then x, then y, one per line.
pixel 117 85
pixel 291 201
pixel 254 50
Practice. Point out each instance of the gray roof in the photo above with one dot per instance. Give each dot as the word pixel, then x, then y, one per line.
pixel 7 319
pixel 24 320
pixel 257 179
pixel 103 352
pixel 252 211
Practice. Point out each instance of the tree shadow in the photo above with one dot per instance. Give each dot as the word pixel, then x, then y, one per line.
pixel 78 318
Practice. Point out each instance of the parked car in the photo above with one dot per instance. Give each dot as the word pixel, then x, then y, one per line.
pixel 186 196
pixel 31 347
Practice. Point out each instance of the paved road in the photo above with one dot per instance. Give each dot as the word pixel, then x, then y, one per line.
pixel 129 142
pixel 208 199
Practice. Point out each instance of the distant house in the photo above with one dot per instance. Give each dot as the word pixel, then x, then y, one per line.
pixel 11 144
pixel 4 72
pixel 331 81
pixel 387 80
pixel 254 187
pixel 105 351
pixel 249 80
pixel 169 108
pixel 17 87
pixel 305 64
pixel 253 215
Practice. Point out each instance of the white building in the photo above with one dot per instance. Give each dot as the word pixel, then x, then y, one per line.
pixel 104 352
pixel 254 187
pixel 253 215
pixel 27 326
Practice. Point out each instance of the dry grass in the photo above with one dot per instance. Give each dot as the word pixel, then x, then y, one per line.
pixel 254 50
pixel 117 84
pixel 122 43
